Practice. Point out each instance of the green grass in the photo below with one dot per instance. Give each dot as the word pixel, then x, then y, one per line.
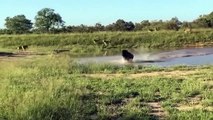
pixel 52 88
pixel 100 42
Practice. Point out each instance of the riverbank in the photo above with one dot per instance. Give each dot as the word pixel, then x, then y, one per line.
pixel 98 43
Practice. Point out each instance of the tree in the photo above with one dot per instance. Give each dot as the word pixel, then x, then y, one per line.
pixel 201 22
pixel 46 19
pixel 121 25
pixel 204 21
pixel 5 31
pixel 99 27
pixel 143 24
pixel 156 25
pixel 129 26
pixel 210 18
pixel 186 24
pixel 173 24
pixel 18 24
pixel 109 27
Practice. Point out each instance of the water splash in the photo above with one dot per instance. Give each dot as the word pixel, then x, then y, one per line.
pixel 193 56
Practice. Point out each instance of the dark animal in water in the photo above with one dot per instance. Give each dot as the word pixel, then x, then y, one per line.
pixel 23 47
pixel 127 55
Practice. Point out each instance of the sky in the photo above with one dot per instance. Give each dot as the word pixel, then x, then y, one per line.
pixel 89 12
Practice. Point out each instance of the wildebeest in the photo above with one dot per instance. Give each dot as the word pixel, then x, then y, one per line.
pixel 127 55
pixel 22 47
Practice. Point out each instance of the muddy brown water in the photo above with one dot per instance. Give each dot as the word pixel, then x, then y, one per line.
pixel 188 56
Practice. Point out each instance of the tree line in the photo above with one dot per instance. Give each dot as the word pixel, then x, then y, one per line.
pixel 47 21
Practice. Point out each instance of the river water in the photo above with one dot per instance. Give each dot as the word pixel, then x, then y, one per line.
pixel 189 56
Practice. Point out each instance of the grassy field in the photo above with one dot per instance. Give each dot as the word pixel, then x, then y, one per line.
pixel 56 88
pixel 100 42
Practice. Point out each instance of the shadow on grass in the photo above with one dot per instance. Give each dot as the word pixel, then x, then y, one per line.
pixel 88 107
pixel 8 54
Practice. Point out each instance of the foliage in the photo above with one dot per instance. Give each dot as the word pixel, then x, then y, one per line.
pixel 173 24
pixel 5 31
pixel 142 25
pixel 18 24
pixel 46 19
pixel 205 21
pixel 121 25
